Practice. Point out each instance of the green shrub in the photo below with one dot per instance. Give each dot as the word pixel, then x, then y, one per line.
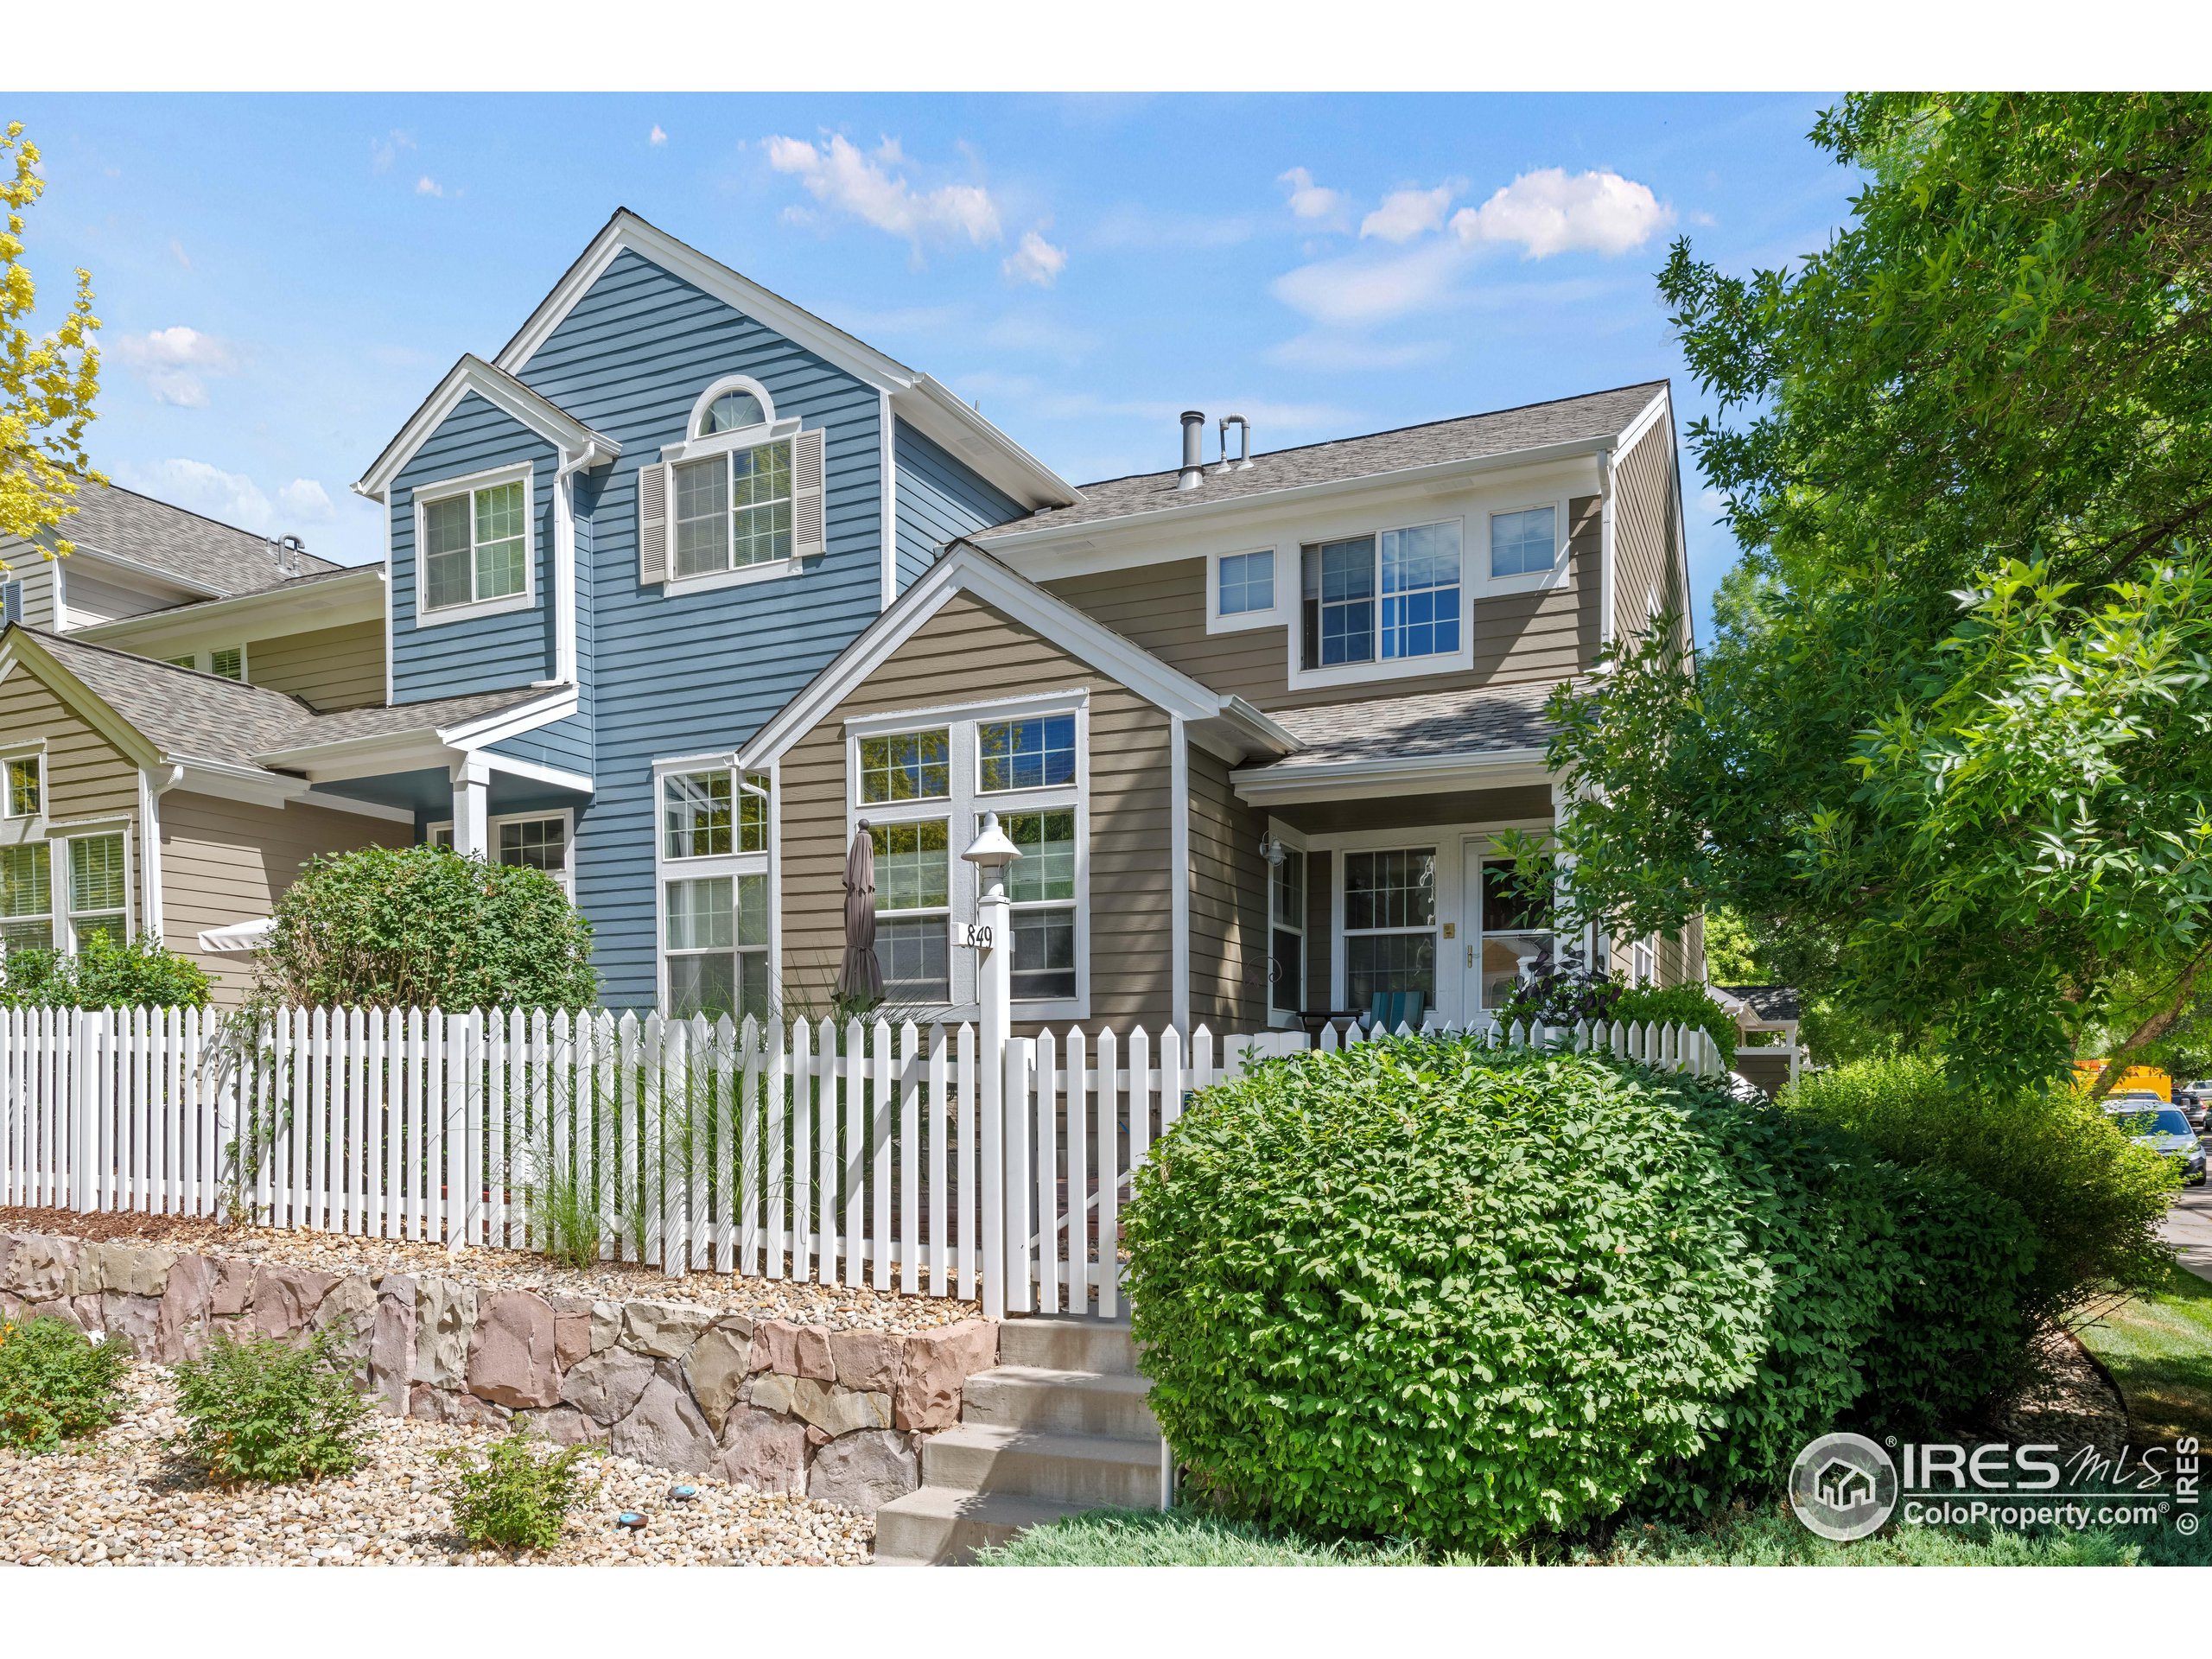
pixel 1680 1005
pixel 56 1384
pixel 424 927
pixel 518 1496
pixel 267 1409
pixel 2093 1199
pixel 107 972
pixel 1424 1287
pixel 1566 993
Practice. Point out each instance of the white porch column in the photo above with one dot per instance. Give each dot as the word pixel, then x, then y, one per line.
pixel 472 792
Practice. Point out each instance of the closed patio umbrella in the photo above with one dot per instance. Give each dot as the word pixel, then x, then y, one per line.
pixel 860 976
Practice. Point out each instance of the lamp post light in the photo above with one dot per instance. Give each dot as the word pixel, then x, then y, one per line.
pixel 990 853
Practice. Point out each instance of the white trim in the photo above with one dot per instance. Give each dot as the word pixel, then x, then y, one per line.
pixel 383 499
pixel 1646 418
pixel 1294 841
pixel 888 470
pixel 930 406
pixel 61 878
pixel 15 828
pixel 721 388
pixel 92 555
pixel 737 576
pixel 559 702
pixel 1388 774
pixel 775 775
pixel 962 809
pixel 504 393
pixel 1558 573
pixel 729 442
pixel 732 865
pixel 426 747
pixel 312 797
pixel 1276 615
pixel 1605 517
pixel 564 572
pixel 153 783
pixel 1180 873
pixel 1379 667
pixel 445 489
pixel 537 771
pixel 567 876
pixel 333 602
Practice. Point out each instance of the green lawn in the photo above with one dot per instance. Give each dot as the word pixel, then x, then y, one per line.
pixel 1763 1538
pixel 2160 1350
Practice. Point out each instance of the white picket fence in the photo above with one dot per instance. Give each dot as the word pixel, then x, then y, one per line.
pixel 866 1154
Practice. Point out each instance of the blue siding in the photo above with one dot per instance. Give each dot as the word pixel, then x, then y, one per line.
pixel 938 498
pixel 484 653
pixel 699 672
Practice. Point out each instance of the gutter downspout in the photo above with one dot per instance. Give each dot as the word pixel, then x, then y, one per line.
pixel 154 782
pixel 565 563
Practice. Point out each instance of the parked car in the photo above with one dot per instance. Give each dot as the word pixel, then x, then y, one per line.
pixel 2151 1122
pixel 2196 1099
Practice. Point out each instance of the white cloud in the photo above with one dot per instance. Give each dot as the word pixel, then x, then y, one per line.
pixel 840 177
pixel 1338 352
pixel 172 362
pixel 383 151
pixel 1405 215
pixel 1361 289
pixel 177 253
pixel 656 137
pixel 1035 261
pixel 427 186
pixel 305 501
pixel 1547 213
pixel 1309 199
pixel 231 497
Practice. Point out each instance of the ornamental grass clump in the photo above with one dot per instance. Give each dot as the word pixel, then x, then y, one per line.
pixel 1428 1288
pixel 56 1384
pixel 269 1410
pixel 518 1496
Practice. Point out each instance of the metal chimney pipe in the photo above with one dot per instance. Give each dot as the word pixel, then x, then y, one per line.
pixel 1194 438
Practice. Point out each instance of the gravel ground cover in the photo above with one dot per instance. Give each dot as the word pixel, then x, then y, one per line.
pixel 840 1307
pixel 123 1499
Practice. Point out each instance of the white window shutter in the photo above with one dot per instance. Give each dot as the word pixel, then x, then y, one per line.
pixel 652 525
pixel 808 537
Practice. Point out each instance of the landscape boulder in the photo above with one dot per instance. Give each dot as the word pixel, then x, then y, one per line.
pixel 934 1367
pixel 865 1470
pixel 510 1351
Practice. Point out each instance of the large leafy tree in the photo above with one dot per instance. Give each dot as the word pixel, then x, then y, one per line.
pixel 1950 750
pixel 47 381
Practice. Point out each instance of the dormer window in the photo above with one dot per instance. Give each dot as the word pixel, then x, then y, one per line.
pixel 732 411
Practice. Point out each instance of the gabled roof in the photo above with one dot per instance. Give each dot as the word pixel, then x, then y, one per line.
pixel 969 570
pixel 1589 422
pixel 503 392
pixel 932 408
pixel 197 551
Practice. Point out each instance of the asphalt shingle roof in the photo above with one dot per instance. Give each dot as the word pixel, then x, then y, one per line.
pixel 1777 1003
pixel 1566 419
pixel 199 716
pixel 1429 724
pixel 111 519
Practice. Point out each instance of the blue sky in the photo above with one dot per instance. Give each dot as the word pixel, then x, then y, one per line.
pixel 283 278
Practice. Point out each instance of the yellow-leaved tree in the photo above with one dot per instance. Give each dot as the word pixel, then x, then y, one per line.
pixel 46 381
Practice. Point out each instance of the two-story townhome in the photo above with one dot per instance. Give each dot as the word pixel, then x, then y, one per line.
pixel 685 589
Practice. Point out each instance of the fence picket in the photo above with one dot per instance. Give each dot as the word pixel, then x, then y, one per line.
pixel 910 1161
pixel 966 1103
pixel 801 1178
pixel 1048 1162
pixel 1078 1205
pixel 832 1077
pixel 1108 1116
pixel 881 1112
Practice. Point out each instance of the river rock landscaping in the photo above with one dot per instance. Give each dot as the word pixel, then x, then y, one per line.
pixel 833 1407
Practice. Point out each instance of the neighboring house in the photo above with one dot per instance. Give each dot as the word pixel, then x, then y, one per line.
pixel 1768 1053
pixel 686 584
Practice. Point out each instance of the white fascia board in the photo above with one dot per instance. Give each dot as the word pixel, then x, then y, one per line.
pixel 1646 418
pixel 537 771
pixel 503 392
pixel 92 555
pixel 1015 544
pixel 1366 779
pixel 931 407
pixel 558 704
pixel 331 601
pixel 966 570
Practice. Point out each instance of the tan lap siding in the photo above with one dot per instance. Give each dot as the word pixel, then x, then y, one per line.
pixel 1647 564
pixel 332 668
pixel 1229 903
pixel 225 861
pixel 969 652
pixel 86 776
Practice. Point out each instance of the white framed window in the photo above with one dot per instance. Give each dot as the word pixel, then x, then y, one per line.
pixel 740 499
pixel 1646 963
pixel 537 840
pixel 713 863
pixel 22 787
pixel 99 887
pixel 1383 605
pixel 735 403
pixel 226 663
pixel 27 897
pixel 1517 933
pixel 1287 902
pixel 733 510
pixel 1525 542
pixel 476 546
pixel 922 781
pixel 1390 929
pixel 1249 589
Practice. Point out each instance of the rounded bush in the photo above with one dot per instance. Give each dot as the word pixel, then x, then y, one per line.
pixel 1429 1289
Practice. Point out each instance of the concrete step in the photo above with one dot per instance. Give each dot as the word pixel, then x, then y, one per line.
pixel 1075 1402
pixel 1088 1469
pixel 938 1527
pixel 1068 1345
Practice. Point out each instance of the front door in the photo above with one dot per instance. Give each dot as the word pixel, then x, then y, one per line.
pixel 1503 936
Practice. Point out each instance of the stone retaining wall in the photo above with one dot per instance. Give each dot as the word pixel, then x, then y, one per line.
pixel 780 1407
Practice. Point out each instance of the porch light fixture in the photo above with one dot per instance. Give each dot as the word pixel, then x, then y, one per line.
pixel 1271 849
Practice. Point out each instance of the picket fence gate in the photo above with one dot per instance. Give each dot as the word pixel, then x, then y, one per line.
pixel 904 1158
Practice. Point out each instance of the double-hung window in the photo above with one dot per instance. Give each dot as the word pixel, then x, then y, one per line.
pixel 715 935
pixel 27 897
pixel 1390 924
pixel 1246 584
pixel 1286 930
pixel 1517 931
pixel 1394 596
pixel 475 545
pixel 1523 544
pixel 22 787
pixel 733 510
pixel 99 889
pixel 924 792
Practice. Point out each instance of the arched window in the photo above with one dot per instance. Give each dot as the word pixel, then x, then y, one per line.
pixel 731 405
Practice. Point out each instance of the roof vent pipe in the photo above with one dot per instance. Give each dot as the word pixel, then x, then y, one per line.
pixel 1243 443
pixel 1194 438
